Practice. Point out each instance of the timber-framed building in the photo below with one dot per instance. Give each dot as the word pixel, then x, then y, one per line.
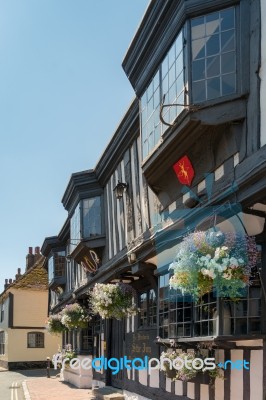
pixel 197 70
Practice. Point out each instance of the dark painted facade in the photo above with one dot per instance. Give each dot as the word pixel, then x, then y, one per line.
pixel 194 66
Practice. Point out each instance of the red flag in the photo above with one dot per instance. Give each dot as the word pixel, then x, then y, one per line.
pixel 184 171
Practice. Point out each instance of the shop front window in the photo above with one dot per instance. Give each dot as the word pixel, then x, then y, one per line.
pixel 148 309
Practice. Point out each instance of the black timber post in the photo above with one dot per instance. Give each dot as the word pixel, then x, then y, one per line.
pixel 108 330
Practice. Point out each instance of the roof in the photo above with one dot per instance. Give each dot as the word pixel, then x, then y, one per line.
pixel 36 278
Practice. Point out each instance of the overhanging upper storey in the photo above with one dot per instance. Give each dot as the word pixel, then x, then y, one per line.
pixel 162 22
pixel 191 68
pixel 83 199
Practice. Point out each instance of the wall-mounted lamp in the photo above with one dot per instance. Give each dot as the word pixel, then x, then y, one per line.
pixel 120 189
pixel 132 258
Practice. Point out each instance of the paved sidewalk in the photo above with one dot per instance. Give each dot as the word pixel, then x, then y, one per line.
pixel 53 389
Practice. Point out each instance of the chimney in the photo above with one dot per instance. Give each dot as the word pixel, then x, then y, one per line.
pixel 29 259
pixel 37 254
pixel 10 281
pixel 18 273
pixel 6 284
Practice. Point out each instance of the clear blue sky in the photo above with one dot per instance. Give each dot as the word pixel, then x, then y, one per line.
pixel 62 94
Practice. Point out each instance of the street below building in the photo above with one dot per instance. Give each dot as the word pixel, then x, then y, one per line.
pixel 11 382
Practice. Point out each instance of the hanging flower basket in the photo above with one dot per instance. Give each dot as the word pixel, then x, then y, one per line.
pixel 214 260
pixel 74 316
pixel 54 324
pixel 187 365
pixel 113 300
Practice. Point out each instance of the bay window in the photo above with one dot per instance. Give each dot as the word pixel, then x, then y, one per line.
pixel 168 81
pixel 57 265
pixel 200 66
pixel 86 221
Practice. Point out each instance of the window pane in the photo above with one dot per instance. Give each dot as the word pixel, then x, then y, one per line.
pixel 163 83
pixel 179 44
pixel 213 66
pixel 240 326
pixel 228 41
pixel 150 108
pixel 213 55
pixel 212 23
pixel 171 56
pixel 180 87
pixel 165 67
pixel 151 142
pixel 75 227
pixel 227 19
pixel 255 308
pixel 213 88
pixel 51 268
pixel 92 224
pixel 228 63
pixel 197 28
pixel 150 91
pixel 212 45
pixel 156 98
pixel 172 95
pixel 199 91
pixel 198 71
pixel 156 81
pixel 172 75
pixel 35 340
pixel 59 263
pixel 198 49
pixel 229 84
pixel 254 325
pixel 157 134
pixel 145 148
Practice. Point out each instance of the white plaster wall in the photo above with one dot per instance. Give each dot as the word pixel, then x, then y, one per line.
pixel 236 377
pixel 191 391
pixel 256 375
pixel 219 382
pixel 204 392
pixel 155 378
pixel 143 377
pixel 263 73
pixel 179 388
pixel 168 385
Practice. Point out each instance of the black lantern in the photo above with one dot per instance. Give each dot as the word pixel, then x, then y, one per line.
pixel 120 189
